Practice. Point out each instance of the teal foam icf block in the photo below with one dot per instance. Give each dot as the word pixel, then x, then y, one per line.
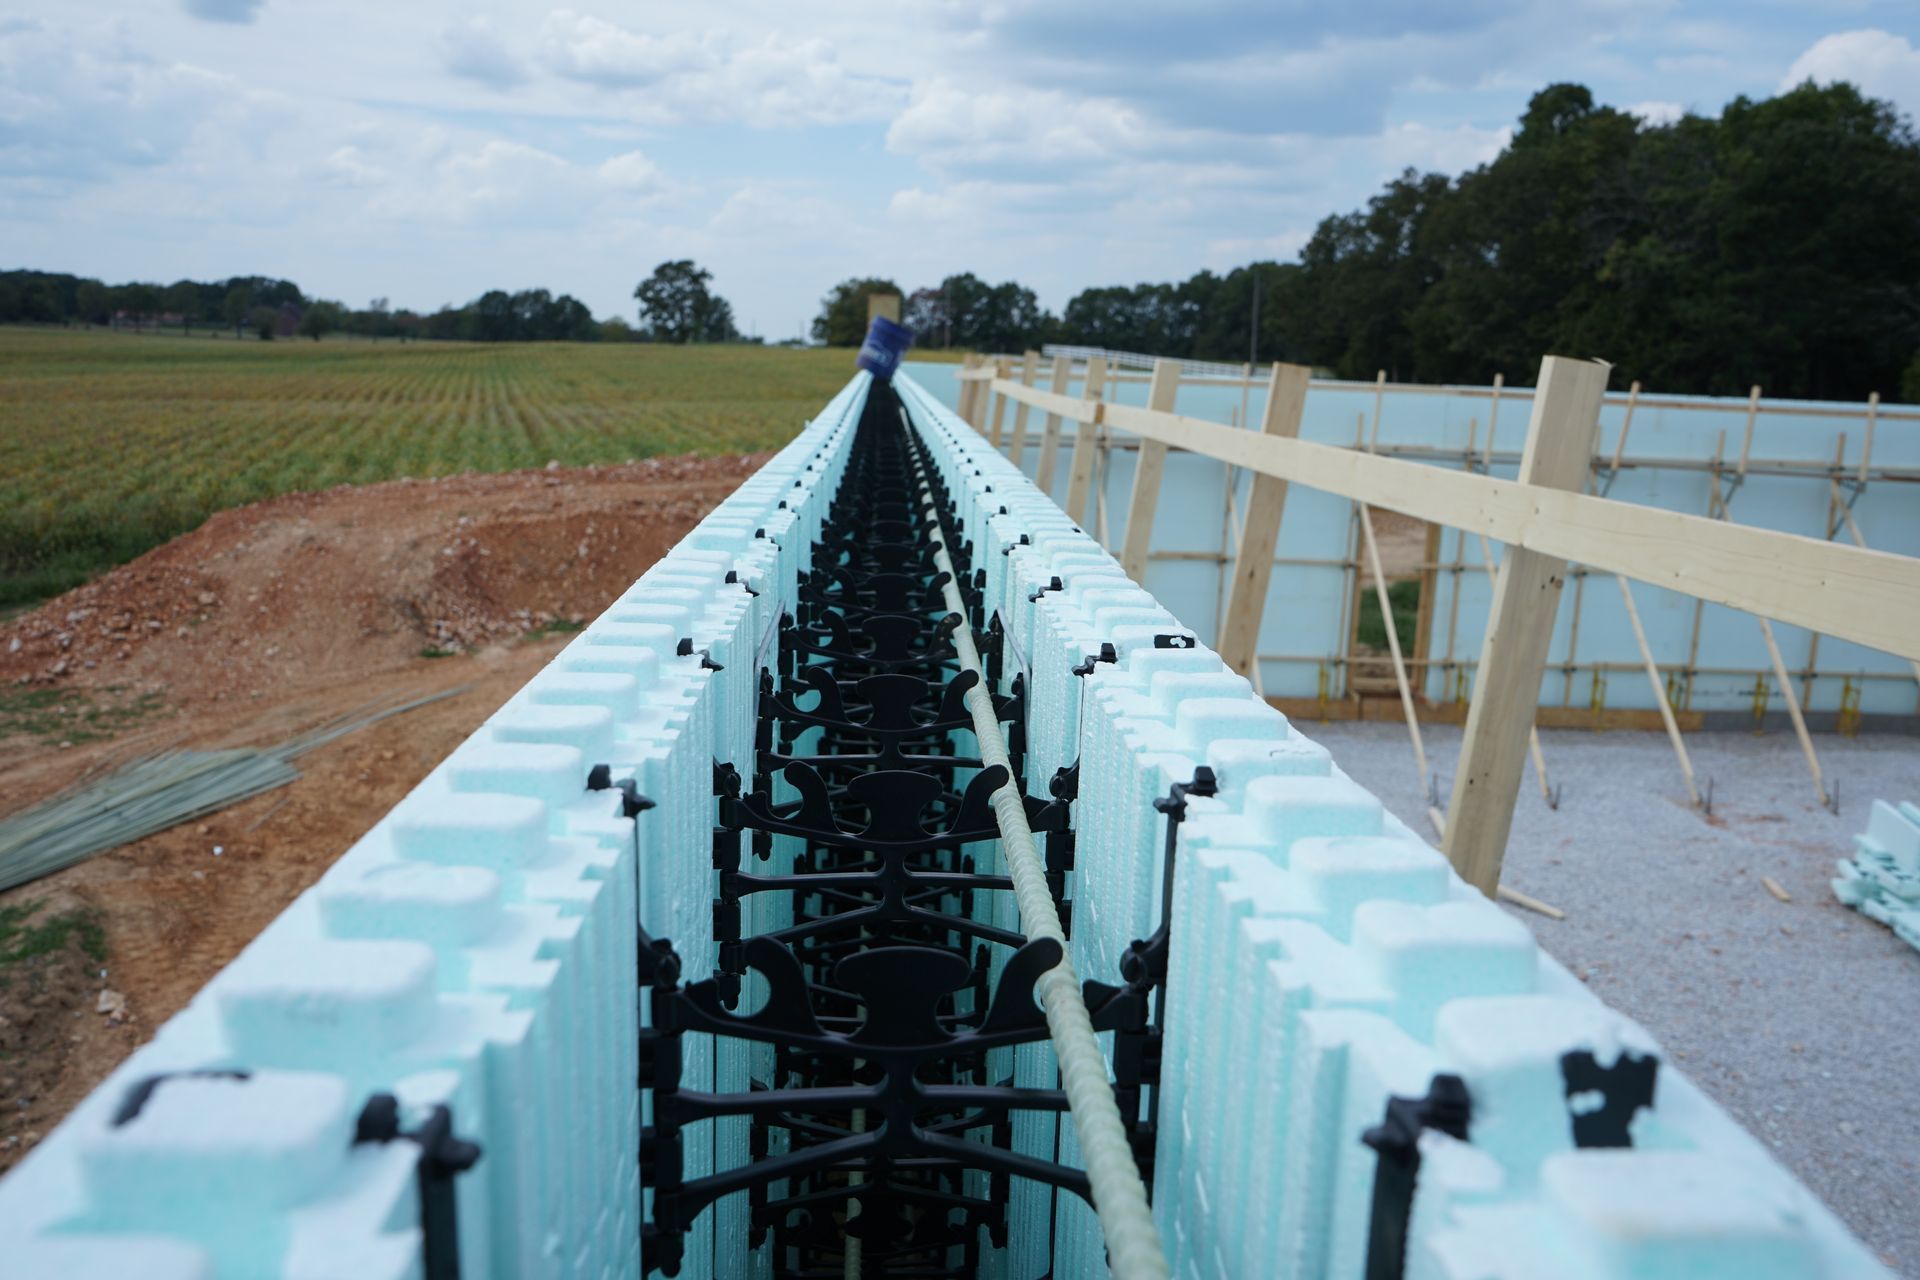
pixel 1324 958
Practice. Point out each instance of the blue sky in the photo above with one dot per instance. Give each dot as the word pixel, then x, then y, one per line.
pixel 427 150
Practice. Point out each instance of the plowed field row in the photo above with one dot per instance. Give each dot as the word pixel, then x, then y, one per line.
pixel 113 443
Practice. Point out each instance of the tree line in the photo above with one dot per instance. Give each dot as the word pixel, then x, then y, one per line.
pixel 1775 244
pixel 267 308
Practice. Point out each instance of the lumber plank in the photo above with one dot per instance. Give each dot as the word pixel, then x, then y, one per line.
pixel 1526 597
pixel 1086 433
pixel 1149 468
pixel 1050 429
pixel 1853 593
pixel 1266 504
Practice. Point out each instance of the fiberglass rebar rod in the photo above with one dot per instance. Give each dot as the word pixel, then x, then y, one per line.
pixel 1133 1244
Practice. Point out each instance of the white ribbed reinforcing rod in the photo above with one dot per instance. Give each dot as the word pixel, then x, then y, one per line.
pixel 1119 1197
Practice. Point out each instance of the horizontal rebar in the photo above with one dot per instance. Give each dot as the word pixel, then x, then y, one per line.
pixel 1134 1251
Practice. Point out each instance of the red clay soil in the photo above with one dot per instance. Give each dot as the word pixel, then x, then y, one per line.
pixel 265 621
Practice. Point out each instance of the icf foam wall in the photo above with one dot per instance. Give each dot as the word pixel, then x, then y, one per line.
pixel 1325 958
pixel 476 949
pixel 1309 593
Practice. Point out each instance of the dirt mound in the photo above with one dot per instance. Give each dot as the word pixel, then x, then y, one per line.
pixel 314 587
pixel 263 622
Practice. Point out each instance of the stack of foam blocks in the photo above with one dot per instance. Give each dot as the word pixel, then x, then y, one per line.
pixel 1324 958
pixel 1882 879
pixel 475 950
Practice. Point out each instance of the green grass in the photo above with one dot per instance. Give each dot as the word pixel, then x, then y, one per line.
pixel 556 627
pixel 110 444
pixel 21 938
pixel 1371 629
pixel 70 715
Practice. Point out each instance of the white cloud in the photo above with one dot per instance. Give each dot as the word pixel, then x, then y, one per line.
pixel 1883 65
pixel 372 148
pixel 1657 113
pixel 916 204
pixel 1433 150
pixel 498 182
pixel 633 173
pixel 759 208
pixel 714 75
pixel 75 110
pixel 949 126
pixel 472 49
pixel 349 166
pixel 223 10
pixel 581 47
pixel 1238 251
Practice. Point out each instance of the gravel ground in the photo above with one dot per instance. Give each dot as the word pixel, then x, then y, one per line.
pixel 1802 1019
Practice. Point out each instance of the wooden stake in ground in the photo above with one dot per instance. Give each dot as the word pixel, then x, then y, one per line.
pixel 1050 431
pixel 1659 691
pixel 1526 594
pixel 1399 664
pixel 1085 436
pixel 1002 368
pixel 1266 504
pixel 970 392
pixel 1533 730
pixel 1017 450
pixel 1149 466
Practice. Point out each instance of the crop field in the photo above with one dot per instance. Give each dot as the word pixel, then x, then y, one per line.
pixel 110 444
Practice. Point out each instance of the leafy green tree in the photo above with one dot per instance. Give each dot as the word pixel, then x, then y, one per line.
pixel 925 312
pixel 494 319
pixel 1773 245
pixel 975 314
pixel 677 306
pixel 183 298
pixel 842 321
pixel 141 302
pixel 321 317
pixel 237 307
pixel 91 302
pixel 265 321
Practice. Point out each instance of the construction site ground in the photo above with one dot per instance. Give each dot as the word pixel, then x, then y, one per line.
pixel 276 617
pixel 1795 1016
pixel 264 622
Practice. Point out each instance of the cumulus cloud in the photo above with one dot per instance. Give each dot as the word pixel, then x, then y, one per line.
pixel 1883 65
pixel 758 208
pixel 471 49
pixel 1437 150
pixel 461 179
pixel 582 47
pixel 74 110
pixel 768 82
pixel 633 173
pixel 949 126
pixel 1657 113
pixel 224 10
pixel 493 182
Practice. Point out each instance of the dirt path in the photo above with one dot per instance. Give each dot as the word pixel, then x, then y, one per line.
pixel 265 621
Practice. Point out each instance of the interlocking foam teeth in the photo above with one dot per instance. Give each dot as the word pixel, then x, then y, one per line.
pixel 1325 958
pixel 477 950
